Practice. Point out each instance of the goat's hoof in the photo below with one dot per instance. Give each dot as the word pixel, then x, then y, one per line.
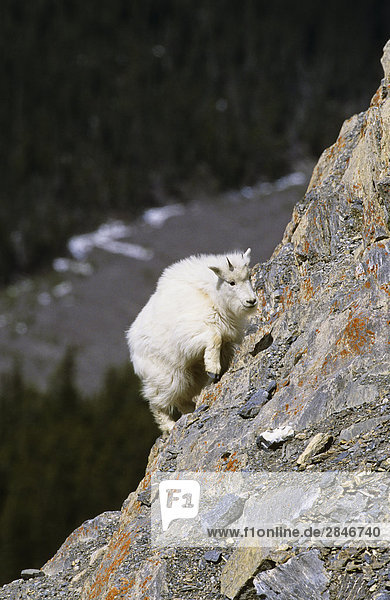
pixel 214 376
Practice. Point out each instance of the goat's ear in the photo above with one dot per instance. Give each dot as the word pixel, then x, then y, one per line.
pixel 247 256
pixel 216 270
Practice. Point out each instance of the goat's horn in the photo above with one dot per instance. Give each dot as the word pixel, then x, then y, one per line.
pixel 231 268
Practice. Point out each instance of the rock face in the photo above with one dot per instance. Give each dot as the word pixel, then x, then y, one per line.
pixel 315 358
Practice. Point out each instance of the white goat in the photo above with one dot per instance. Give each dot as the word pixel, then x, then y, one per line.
pixel 186 332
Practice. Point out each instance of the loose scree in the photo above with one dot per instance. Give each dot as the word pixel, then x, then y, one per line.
pixel 186 333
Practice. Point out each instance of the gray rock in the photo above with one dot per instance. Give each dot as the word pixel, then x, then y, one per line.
pixel 31 573
pixel 301 577
pixel 212 556
pixel 274 438
pixel 357 429
pixel 252 408
pixel 265 342
pixel 383 187
pixel 271 387
pixel 91 535
pixel 144 497
pixel 228 510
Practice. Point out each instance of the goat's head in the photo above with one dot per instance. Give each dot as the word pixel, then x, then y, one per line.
pixel 234 280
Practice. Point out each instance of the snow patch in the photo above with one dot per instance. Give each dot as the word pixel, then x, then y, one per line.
pixel 64 265
pixel 62 289
pixel 44 299
pixel 105 238
pixel 129 250
pixel 268 187
pixel 156 217
pixel 290 180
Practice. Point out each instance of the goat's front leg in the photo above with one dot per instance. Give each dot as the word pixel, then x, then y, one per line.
pixel 212 357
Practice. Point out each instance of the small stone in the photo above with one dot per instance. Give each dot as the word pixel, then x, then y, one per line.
pixel 172 452
pixel 293 338
pixel 271 387
pixel 31 573
pixel 228 510
pixel 144 498
pixel 317 444
pixel 367 557
pixel 96 554
pixel 274 438
pixel 265 342
pixel 252 408
pixel 383 187
pixel 240 567
pixel 212 556
pixel 201 408
pixel 341 456
pixel 352 567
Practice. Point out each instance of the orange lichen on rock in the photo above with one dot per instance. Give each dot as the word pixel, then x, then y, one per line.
pixel 229 463
pixel 293 408
pixel 146 481
pixel 377 97
pixel 386 288
pixel 121 592
pixel 307 289
pixel 372 268
pixel 211 393
pixel 118 550
pixel 355 339
pixel 262 298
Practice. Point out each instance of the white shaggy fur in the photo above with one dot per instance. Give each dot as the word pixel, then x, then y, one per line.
pixel 186 332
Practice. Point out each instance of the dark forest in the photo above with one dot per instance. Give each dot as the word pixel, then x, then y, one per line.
pixel 110 107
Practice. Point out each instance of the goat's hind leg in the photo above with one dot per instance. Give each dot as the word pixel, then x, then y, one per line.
pixel 163 418
pixel 167 390
pixel 157 389
pixel 162 391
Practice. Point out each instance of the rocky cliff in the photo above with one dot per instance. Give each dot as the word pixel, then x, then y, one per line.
pixel 316 358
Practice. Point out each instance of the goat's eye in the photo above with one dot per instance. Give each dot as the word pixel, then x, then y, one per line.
pixel 232 283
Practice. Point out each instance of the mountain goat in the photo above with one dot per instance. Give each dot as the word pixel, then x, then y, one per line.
pixel 186 332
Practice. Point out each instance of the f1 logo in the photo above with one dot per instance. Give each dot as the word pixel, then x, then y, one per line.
pixel 179 499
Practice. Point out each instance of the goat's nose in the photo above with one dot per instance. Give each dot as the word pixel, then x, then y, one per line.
pixel 252 301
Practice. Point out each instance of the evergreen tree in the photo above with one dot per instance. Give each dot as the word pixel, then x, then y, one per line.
pixel 65 458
